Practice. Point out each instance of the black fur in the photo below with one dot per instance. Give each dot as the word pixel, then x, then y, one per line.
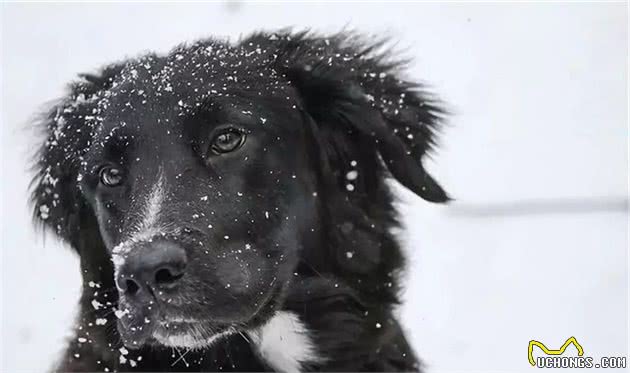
pixel 315 109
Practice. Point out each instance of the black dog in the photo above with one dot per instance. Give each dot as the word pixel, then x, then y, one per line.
pixel 229 205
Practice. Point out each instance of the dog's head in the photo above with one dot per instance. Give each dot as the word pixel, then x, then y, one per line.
pixel 207 175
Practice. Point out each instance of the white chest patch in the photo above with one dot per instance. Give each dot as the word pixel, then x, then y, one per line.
pixel 283 342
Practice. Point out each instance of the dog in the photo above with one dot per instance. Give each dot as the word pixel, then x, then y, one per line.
pixel 229 204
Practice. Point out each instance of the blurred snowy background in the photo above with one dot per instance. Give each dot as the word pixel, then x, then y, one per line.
pixel 536 245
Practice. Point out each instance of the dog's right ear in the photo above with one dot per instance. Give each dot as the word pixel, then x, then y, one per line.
pixel 353 91
pixel 67 131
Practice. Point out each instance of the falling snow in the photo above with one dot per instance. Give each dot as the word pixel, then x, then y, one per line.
pixel 96 304
pixel 43 212
pixel 352 175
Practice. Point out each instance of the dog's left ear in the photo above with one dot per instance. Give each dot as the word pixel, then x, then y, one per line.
pixel 66 135
pixel 343 86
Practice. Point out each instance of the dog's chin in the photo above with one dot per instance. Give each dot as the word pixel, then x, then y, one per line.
pixel 189 335
pixel 138 329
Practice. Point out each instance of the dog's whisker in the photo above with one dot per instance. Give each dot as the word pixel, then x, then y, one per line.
pixel 244 337
pixel 181 357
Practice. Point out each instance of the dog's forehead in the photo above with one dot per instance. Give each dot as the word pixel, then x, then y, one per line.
pixel 189 75
pixel 161 89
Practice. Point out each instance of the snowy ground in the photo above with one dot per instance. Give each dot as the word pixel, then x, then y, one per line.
pixel 537 156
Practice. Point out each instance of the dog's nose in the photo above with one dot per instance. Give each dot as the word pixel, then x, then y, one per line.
pixel 151 266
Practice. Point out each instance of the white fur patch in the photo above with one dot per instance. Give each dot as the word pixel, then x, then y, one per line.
pixel 148 226
pixel 283 342
pixel 153 207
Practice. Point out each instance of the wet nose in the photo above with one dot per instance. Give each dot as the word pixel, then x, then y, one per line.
pixel 151 266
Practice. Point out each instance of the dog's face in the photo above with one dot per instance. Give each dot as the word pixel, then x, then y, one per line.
pixel 201 200
pixel 210 173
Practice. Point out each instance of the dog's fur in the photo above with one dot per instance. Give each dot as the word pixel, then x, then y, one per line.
pixel 291 261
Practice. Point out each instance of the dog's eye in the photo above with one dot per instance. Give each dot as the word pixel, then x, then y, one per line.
pixel 227 141
pixel 110 176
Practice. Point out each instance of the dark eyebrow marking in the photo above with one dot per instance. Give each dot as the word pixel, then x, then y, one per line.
pixel 112 145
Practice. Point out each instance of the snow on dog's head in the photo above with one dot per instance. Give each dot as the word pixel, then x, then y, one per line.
pixel 202 183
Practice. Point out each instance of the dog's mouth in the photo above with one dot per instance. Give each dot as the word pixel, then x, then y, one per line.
pixel 172 332
pixel 189 334
pixel 155 328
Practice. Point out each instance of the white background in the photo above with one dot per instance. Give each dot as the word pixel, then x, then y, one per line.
pixel 536 154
